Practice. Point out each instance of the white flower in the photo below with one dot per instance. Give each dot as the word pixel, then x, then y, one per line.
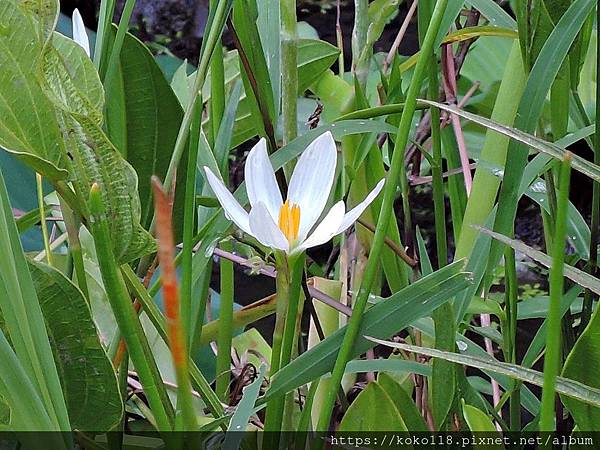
pixel 79 34
pixel 287 225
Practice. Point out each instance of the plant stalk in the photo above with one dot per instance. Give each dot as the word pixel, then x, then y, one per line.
pixel 127 319
pixel 385 214
pixel 189 224
pixel 553 352
pixel 72 226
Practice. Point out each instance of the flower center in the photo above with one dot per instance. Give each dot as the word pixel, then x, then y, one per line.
pixel 289 220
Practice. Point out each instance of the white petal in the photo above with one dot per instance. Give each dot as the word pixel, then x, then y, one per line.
pixel 326 229
pixel 79 34
pixel 352 215
pixel 232 208
pixel 261 184
pixel 312 180
pixel 264 228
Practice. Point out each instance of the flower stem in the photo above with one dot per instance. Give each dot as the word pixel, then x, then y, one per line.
pixel 509 331
pixel 385 214
pixel 552 355
pixel 289 278
pixel 296 269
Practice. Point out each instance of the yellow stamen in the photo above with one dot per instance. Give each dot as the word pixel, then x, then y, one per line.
pixel 289 220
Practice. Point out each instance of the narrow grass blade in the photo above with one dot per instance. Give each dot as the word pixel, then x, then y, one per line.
pixel 24 320
pixel 578 276
pixel 564 386
pixel 549 148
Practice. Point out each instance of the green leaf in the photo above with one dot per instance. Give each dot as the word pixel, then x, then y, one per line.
pixel 578 276
pixel 372 410
pixel 479 421
pixel 87 375
pixel 549 148
pixel 403 402
pixel 494 13
pixel 143 117
pixel 564 386
pixel 314 58
pixel 383 319
pixel 60 128
pixel 46 12
pixel 31 133
pixel 71 81
pixel 31 359
pixel 582 364
pixel 244 410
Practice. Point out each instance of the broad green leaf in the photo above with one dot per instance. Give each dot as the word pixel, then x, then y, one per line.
pixel 383 319
pixel 372 410
pixel 87 375
pixel 564 386
pixel 403 402
pixel 60 128
pixel 494 13
pixel 314 58
pixel 478 421
pixel 582 364
pixel 46 12
pixel 143 118
pixel 71 81
pixel 96 160
pixel 31 133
